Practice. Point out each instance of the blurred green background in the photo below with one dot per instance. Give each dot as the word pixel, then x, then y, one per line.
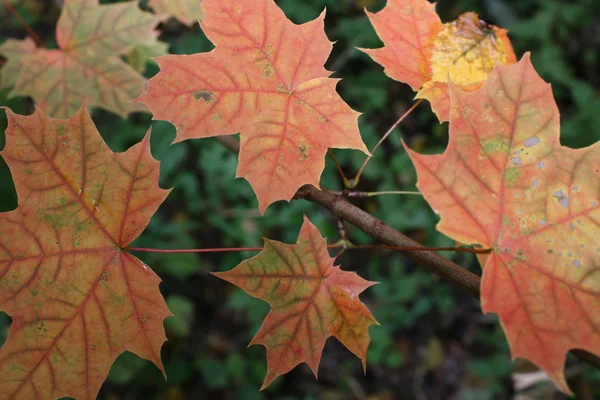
pixel 433 342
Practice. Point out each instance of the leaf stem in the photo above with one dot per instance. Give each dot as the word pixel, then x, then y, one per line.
pixel 344 244
pixel 28 28
pixel 420 248
pixel 345 180
pixel 216 250
pixel 356 179
pixel 213 250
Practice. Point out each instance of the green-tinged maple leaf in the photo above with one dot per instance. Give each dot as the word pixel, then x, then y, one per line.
pixel 310 298
pixel 506 183
pixel 266 80
pixel 76 299
pixel 143 52
pixel 14 50
pixel 90 38
pixel 426 54
pixel 188 12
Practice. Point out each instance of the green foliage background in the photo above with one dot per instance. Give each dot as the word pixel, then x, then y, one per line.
pixel 434 342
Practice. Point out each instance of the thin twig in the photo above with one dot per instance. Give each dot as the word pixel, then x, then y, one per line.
pixel 362 168
pixel 372 194
pixel 339 168
pixel 28 28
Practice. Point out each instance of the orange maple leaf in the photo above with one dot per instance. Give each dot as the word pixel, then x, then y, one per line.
pixel 506 183
pixel 311 300
pixel 188 12
pixel 426 54
pixel 90 38
pixel 266 80
pixel 76 299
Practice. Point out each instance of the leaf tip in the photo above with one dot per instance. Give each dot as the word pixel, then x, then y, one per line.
pixel 81 112
pixel 161 367
pixel 263 205
pixel 323 14
pixel 269 378
pixel 371 284
pixel 7 110
pixel 220 274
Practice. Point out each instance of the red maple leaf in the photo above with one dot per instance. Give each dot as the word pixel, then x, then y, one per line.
pixel 76 299
pixel 507 184
pixel 266 80
pixel 310 298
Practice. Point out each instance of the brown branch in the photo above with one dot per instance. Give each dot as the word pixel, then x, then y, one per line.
pixel 381 232
pixel 385 234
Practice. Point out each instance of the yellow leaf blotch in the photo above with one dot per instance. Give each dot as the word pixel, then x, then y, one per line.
pixel 467 50
pixel 426 54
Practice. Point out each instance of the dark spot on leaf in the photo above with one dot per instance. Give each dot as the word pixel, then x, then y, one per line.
pixel 303 152
pixel 206 95
pixel 42 326
pixel 104 277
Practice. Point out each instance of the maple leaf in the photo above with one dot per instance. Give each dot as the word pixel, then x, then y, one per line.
pixel 426 54
pixel 188 12
pixel 266 80
pixel 90 38
pixel 311 300
pixel 506 183
pixel 76 299
pixel 14 50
